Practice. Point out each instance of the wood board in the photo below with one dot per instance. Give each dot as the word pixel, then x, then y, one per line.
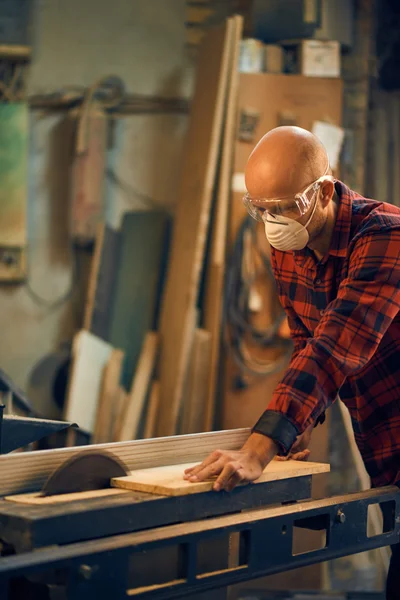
pixel 89 357
pixel 140 388
pixel 199 373
pixel 168 481
pixel 34 498
pixel 191 221
pixel 216 266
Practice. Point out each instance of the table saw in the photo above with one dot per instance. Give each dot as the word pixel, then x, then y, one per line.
pixel 89 540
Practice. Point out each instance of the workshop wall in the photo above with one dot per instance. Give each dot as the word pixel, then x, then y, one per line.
pixel 76 43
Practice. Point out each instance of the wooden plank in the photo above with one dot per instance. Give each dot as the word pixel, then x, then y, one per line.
pixel 216 267
pixel 199 371
pixel 109 398
pixel 152 410
pixel 140 387
pixel 87 173
pixel 191 221
pixel 35 498
pixel 120 411
pixel 89 357
pixel 168 481
pixel 144 236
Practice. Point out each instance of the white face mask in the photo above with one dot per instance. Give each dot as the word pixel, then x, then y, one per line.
pixel 284 233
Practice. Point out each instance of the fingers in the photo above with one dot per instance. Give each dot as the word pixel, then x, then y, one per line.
pixel 193 472
pixel 303 455
pixel 232 474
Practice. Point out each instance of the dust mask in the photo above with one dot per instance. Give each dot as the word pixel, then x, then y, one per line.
pixel 284 233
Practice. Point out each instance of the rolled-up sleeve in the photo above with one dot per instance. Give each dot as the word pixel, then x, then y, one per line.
pixel 345 340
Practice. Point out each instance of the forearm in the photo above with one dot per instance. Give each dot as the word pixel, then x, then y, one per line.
pixel 261 447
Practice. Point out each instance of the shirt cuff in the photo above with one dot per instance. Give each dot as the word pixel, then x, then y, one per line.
pixel 277 427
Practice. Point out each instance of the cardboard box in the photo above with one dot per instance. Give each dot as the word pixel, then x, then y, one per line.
pixel 251 57
pixel 273 59
pixel 312 58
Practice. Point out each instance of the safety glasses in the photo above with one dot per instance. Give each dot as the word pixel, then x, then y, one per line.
pixel 293 207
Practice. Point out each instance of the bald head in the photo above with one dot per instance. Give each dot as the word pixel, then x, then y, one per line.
pixel 284 162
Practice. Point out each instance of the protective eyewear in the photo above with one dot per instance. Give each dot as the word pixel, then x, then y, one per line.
pixel 290 206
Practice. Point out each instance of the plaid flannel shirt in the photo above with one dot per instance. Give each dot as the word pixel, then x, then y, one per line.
pixel 343 313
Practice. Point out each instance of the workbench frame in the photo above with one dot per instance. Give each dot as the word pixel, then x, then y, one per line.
pixel 100 569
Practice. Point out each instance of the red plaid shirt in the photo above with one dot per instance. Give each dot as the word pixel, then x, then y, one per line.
pixel 344 318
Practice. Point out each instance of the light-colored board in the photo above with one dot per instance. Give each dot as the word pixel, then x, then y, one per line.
pixel 375 512
pixel 140 387
pixel 152 409
pixel 191 221
pixel 94 275
pixel 36 499
pixel 199 372
pixel 168 481
pixel 216 266
pixel 109 398
pixel 89 357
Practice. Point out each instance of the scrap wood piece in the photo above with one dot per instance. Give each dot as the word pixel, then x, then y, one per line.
pixel 140 387
pixel 168 480
pixel 89 357
pixel 109 397
pixel 191 221
pixel 216 267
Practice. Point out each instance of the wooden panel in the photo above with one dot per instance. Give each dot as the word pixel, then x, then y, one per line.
pixel 13 190
pixel 191 221
pixel 216 266
pixel 169 480
pixel 109 398
pixel 267 97
pixel 140 388
pixel 137 284
pixel 89 357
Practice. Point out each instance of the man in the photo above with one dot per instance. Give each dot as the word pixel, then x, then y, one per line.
pixel 336 261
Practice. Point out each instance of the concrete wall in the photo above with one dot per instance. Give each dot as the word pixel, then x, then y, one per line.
pixel 76 43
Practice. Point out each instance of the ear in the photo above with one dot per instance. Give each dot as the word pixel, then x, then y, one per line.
pixel 327 191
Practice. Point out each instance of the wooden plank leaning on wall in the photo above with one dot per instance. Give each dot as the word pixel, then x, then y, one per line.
pixel 191 222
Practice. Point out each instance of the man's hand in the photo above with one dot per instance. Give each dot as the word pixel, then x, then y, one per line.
pixel 232 467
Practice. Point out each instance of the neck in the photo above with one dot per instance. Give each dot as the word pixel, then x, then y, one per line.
pixel 321 244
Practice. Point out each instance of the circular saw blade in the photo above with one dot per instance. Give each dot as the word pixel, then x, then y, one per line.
pixel 83 472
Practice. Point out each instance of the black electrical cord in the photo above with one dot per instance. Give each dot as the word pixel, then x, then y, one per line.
pixel 237 319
